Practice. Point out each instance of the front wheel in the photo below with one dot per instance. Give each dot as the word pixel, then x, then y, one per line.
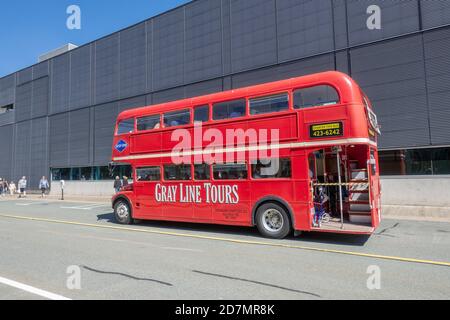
pixel 273 221
pixel 122 212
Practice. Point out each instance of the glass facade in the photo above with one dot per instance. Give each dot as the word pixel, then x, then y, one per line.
pixel 432 161
pixel 90 173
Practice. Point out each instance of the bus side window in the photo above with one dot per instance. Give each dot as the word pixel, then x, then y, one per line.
pixel 270 104
pixel 229 109
pixel 201 114
pixel 178 118
pixel 126 126
pixel 315 97
pixel 148 174
pixel 177 172
pixel 202 172
pixel 270 169
pixel 233 171
pixel 149 123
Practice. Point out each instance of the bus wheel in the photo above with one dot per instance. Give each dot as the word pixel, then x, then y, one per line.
pixel 273 221
pixel 122 212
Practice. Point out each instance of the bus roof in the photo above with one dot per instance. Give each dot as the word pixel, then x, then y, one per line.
pixel 347 88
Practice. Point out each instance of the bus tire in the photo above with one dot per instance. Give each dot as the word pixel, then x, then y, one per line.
pixel 122 212
pixel 272 221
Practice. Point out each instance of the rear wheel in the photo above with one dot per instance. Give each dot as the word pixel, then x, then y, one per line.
pixel 273 221
pixel 122 212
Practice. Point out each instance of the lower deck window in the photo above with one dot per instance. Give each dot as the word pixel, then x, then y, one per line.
pixel 148 174
pixel 177 172
pixel 272 169
pixel 230 171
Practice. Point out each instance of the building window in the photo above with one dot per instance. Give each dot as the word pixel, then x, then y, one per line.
pixel 7 108
pixel 433 161
pixel 315 97
pixel 271 104
pixel 90 173
pixel 229 110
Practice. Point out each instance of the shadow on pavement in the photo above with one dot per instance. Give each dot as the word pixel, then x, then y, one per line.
pixel 247 232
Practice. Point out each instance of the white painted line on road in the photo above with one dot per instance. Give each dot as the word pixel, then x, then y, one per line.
pixel 28 204
pixel 87 207
pixel 182 249
pixel 33 290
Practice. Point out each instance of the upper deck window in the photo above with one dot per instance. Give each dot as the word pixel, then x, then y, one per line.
pixel 126 126
pixel 229 110
pixel 270 104
pixel 315 97
pixel 177 118
pixel 148 123
pixel 201 114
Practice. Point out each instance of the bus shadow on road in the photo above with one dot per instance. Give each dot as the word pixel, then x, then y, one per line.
pixel 247 232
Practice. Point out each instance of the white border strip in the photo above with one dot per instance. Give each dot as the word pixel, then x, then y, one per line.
pixel 33 290
pixel 249 148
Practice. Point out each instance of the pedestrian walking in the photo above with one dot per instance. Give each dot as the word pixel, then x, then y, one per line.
pixel 117 184
pixel 43 185
pixel 1 187
pixel 22 184
pixel 125 181
pixel 12 188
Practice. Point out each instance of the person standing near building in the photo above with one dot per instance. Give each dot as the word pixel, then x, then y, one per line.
pixel 43 185
pixel 125 181
pixel 1 187
pixel 12 188
pixel 22 187
pixel 117 184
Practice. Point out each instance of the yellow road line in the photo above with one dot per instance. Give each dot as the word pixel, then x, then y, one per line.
pixel 261 243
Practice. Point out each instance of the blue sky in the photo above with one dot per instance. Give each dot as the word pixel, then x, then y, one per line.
pixel 29 28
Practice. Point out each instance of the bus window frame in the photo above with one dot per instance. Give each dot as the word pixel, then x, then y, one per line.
pixel 135 178
pixel 246 162
pixel 272 179
pixel 268 95
pixel 339 102
pixel 209 105
pixel 127 133
pixel 190 109
pixel 149 130
pixel 245 115
pixel 163 176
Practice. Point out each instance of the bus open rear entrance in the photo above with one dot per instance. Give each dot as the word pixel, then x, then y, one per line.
pixel 344 185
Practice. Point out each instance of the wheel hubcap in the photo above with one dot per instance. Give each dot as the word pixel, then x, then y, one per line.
pixel 273 220
pixel 122 211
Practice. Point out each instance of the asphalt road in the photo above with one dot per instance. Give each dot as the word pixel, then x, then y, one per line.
pixel 45 245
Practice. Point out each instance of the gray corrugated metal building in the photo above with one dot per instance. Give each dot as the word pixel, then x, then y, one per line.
pixel 60 113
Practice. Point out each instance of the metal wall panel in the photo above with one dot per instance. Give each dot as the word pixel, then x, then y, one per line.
pixel 79 133
pixel 131 103
pixel 133 61
pixel 226 36
pixel 41 70
pixel 437 60
pixel 59 140
pixel 395 83
pixel 6 132
pixel 23 104
pixel 340 24
pixel 7 118
pixel 24 76
pixel 168 95
pixel 253 34
pixel 397 18
pixel 40 97
pixel 60 81
pixel 7 90
pixel 22 150
pixel 203 88
pixel 80 77
pixel 168 50
pixel 104 123
pixel 435 13
pixel 203 41
pixel 107 69
pixel 284 71
pixel 149 32
pixel 39 152
pixel 305 27
pixel 342 62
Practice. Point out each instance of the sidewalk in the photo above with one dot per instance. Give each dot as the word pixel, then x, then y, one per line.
pixel 54 198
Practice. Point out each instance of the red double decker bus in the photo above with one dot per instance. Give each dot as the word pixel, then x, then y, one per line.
pixel 297 154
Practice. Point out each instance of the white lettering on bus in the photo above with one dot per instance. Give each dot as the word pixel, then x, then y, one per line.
pixel 222 194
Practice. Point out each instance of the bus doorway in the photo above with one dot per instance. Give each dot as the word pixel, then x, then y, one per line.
pixel 340 189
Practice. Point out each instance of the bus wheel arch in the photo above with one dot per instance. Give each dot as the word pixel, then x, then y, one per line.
pixel 123 210
pixel 281 207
